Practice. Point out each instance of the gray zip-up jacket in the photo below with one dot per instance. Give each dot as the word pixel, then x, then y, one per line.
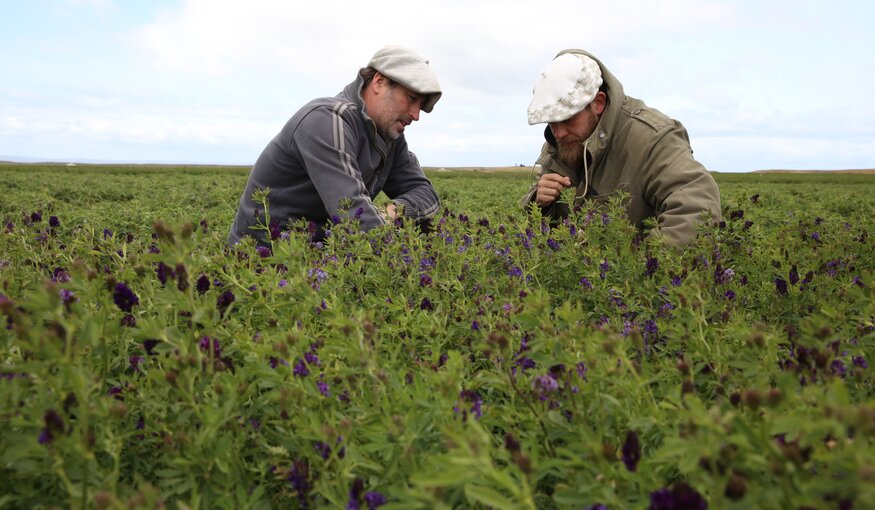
pixel 327 152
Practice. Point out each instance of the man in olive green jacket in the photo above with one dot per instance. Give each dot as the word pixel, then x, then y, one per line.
pixel 601 141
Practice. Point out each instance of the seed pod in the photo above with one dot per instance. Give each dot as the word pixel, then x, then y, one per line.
pixel 752 398
pixel 774 397
pixel 736 486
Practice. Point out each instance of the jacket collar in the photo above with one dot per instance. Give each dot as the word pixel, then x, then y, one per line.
pixel 352 93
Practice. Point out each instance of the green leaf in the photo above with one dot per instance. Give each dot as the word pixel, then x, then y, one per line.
pixel 488 496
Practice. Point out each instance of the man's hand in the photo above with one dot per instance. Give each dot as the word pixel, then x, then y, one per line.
pixel 391 211
pixel 550 186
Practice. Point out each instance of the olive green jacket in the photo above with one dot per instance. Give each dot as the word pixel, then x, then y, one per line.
pixel 638 150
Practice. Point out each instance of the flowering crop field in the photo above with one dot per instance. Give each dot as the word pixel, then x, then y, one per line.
pixel 490 361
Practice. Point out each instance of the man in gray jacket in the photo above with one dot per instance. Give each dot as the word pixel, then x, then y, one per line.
pixel 337 153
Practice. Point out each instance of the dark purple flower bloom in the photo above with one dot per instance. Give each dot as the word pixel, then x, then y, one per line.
pixel 323 449
pixel 424 280
pixel 729 294
pixel 544 385
pixel 135 361
pixel 311 358
pixel 263 251
pixel 115 392
pixel 815 236
pixel 598 506
pixel 631 451
pixel 676 281
pixel 124 297
pixel 475 326
pixel 553 244
pixel 323 388
pixel 680 497
pixel 374 500
pixel 36 217
pixel 781 286
pixel 860 361
pixel 10 226
pixel 425 304
pixel 54 222
pixel 838 368
pixel 274 229
pixel 300 368
pixel 604 267
pixel 128 321
pixel 736 214
pixel 793 275
pixel 203 284
pixel 54 424
pixel 471 397
pixel 585 283
pixel 149 345
pixel 651 267
pixel 858 281
pixel 205 344
pixel 515 272
pixel 107 233
pixel 299 478
pixel 60 275
pixel 224 301
pixel 581 370
pixel 67 297
pixel 164 272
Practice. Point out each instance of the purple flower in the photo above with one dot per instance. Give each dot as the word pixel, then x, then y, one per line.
pixel 274 228
pixel 781 286
pixel 224 301
pixel 300 369
pixel 471 397
pixel 60 275
pixel 54 222
pixel 107 233
pixel 604 267
pixel 651 267
pixel 299 478
pixel 729 294
pixel 815 236
pixel 585 283
pixel 205 344
pixel 164 272
pixel 135 361
pixel 203 284
pixel 736 214
pixel 598 506
pixel 374 500
pixel 553 244
pixel 264 251
pixel 54 424
pixel 475 326
pixel 680 497
pixel 67 297
pixel 149 346
pixel 581 370
pixel 631 451
pixel 544 385
pixel 323 388
pixel 36 217
pixel 124 297
pixel 323 449
pixel 424 280
pixel 793 275
pixel 425 304
pixel 676 281
pixel 515 272
pixel 128 321
pixel 859 361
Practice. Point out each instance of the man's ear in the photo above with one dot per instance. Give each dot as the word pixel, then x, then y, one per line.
pixel 379 82
pixel 600 101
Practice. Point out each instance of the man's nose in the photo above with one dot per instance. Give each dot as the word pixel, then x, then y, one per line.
pixel 414 111
pixel 559 132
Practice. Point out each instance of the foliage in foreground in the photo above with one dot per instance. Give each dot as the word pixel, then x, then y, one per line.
pixel 494 361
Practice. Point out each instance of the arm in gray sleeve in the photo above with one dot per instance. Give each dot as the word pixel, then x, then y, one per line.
pixel 328 144
pixel 408 186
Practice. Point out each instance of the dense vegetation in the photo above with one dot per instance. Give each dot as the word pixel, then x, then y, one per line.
pixel 491 361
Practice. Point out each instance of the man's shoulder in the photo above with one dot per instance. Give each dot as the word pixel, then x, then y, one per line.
pixel 335 105
pixel 645 116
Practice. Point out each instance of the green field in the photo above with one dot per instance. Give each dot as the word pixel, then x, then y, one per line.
pixel 492 362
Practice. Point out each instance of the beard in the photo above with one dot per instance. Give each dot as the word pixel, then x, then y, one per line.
pixel 572 154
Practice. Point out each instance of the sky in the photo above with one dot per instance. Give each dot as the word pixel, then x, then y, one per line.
pixel 758 84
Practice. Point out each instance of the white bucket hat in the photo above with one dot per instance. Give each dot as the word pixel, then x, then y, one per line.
pixel 409 69
pixel 565 87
